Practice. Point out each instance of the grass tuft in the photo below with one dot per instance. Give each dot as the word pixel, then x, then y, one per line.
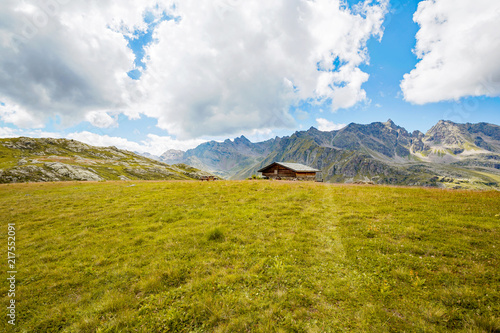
pixel 215 234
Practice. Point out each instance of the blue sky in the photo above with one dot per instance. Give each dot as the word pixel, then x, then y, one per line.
pixel 154 123
pixel 390 59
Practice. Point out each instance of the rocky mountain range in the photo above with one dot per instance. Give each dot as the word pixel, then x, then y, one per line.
pixel 449 155
pixel 27 159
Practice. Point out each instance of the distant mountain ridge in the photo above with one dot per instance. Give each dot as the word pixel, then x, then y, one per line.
pixel 222 158
pixel 448 155
pixel 41 160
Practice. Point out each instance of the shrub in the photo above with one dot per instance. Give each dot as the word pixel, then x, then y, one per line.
pixel 216 235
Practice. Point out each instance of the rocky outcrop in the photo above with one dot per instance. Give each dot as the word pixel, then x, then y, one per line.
pixel 74 172
pixel 40 160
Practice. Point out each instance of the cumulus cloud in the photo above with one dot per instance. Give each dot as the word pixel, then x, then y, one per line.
pixel 227 66
pixel 101 119
pixel 458 44
pixel 328 126
pixel 221 67
pixel 66 58
pixel 154 144
pixel 19 116
pixel 7 132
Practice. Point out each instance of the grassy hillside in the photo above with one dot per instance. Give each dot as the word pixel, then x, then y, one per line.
pixel 41 160
pixel 254 256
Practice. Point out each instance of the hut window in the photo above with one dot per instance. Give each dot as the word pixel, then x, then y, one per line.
pixel 276 171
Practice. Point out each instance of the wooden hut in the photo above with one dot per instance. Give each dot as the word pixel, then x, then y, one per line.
pixel 289 171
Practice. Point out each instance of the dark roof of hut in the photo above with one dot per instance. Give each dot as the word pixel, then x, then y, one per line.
pixel 297 167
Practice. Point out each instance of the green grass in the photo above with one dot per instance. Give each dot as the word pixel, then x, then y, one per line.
pixel 251 256
pixel 493 177
pixel 8 157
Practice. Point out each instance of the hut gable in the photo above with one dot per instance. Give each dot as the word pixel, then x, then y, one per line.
pixel 287 171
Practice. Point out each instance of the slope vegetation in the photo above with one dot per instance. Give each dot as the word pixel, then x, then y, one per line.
pixel 36 160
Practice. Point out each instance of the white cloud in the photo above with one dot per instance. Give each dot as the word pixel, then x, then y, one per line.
pixel 259 135
pixel 66 58
pixel 328 126
pixel 155 144
pixel 231 65
pixel 101 119
pixel 7 132
pixel 17 115
pixel 160 144
pixel 224 67
pixel 458 44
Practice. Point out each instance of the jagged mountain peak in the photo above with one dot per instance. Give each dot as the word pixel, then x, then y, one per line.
pixel 448 133
pixel 241 139
pixel 445 125
pixel 446 122
pixel 238 141
pixel 417 134
pixel 389 123
pixel 313 129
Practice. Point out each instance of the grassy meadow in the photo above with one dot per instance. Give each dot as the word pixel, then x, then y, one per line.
pixel 251 256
